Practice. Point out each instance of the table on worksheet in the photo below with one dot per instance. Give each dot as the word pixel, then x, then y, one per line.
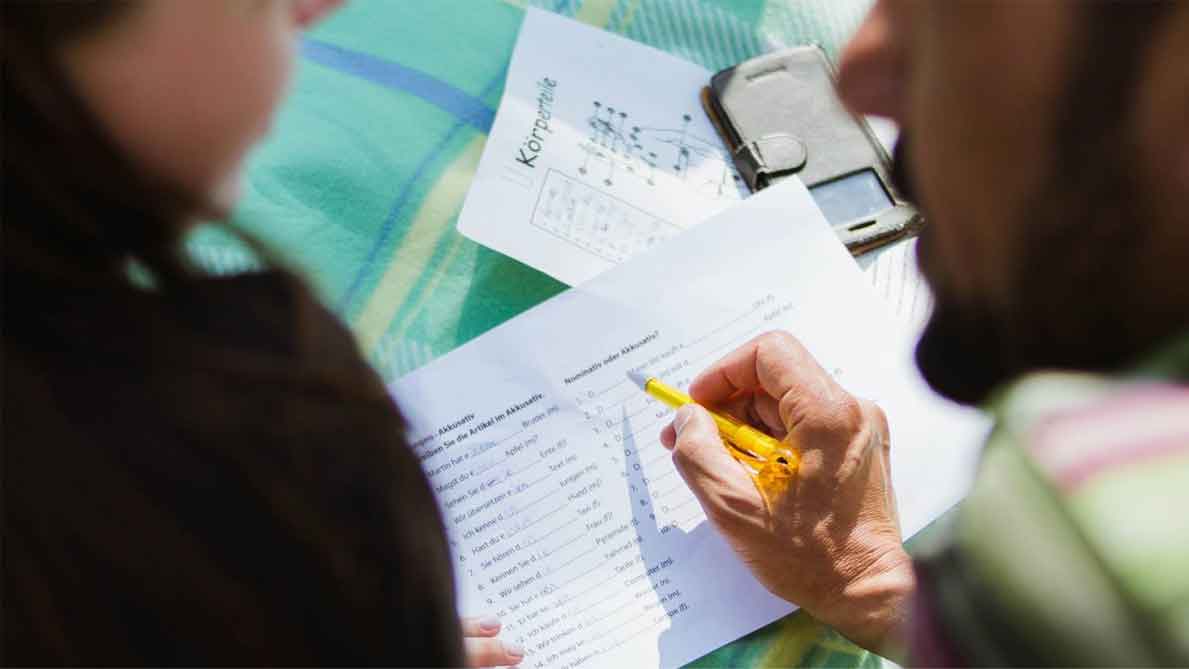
pixel 569 518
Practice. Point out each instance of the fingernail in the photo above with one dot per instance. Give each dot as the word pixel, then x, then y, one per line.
pixel 683 415
pixel 489 624
pixel 513 650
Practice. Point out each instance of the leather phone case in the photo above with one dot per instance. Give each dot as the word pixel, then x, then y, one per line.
pixel 779 116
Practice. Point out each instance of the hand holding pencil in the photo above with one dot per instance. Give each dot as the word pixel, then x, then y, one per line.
pixel 771 463
pixel 827 536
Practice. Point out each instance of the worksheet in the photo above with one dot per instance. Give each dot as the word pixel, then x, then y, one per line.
pixel 600 149
pixel 566 516
pixel 893 272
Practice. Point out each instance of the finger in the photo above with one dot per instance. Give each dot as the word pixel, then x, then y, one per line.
pixel 706 465
pixel 767 410
pixel 773 362
pixel 757 408
pixel 492 653
pixel 481 626
pixel 668 436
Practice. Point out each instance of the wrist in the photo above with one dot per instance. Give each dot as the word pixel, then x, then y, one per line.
pixel 873 607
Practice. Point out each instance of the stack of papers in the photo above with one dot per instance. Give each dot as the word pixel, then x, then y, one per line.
pixel 566 515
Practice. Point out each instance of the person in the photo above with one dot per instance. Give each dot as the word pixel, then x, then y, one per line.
pixel 197 470
pixel 1047 144
pixel 201 470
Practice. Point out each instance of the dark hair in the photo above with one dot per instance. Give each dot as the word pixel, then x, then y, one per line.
pixel 203 473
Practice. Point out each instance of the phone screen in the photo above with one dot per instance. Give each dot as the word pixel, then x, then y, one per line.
pixel 851 198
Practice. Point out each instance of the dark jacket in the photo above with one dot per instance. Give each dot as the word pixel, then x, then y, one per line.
pixel 213 476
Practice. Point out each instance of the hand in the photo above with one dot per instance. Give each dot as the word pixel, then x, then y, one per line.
pixel 831 543
pixel 483 649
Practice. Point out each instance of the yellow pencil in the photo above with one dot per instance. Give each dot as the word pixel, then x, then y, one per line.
pixel 751 446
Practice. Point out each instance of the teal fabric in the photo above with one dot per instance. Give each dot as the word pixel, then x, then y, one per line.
pixel 361 182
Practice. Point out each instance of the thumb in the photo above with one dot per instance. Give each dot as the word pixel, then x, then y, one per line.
pixel 700 455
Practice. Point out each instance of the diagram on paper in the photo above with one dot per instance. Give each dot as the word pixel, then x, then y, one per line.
pixel 595 221
pixel 617 148
pixel 590 209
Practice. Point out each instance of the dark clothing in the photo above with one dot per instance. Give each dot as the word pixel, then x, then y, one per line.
pixel 211 476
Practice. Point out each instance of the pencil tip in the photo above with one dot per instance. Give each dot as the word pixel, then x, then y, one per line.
pixel 638 377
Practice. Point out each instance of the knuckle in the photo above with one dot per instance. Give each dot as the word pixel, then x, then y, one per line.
pixel 875 414
pixel 688 444
pixel 839 414
pixel 682 457
pixel 848 411
pixel 729 510
pixel 779 339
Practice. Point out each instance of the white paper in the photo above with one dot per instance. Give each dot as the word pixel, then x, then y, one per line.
pixel 567 517
pixel 600 149
pixel 892 271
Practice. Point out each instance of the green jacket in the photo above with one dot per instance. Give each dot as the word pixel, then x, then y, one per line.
pixel 1073 547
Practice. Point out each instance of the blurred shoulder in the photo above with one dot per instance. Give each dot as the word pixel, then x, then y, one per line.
pixel 272 311
pixel 1075 427
pixel 1076 524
